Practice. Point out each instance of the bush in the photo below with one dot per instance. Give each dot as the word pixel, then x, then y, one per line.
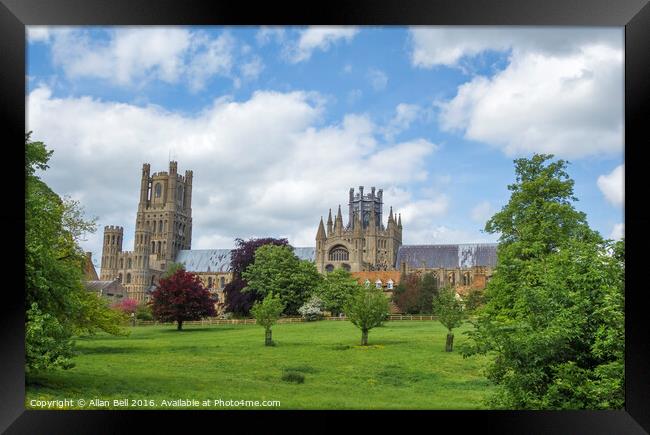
pixel 295 377
pixel 143 312
pixel 48 343
pixel 312 309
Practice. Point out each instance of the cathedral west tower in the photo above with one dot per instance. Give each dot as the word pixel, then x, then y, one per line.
pixel 163 227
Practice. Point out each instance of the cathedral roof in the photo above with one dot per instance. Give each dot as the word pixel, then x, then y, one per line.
pixel 218 260
pixel 447 256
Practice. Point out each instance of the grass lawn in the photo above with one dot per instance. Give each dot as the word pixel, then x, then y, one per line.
pixel 404 367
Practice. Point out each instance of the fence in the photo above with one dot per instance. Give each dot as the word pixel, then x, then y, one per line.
pixel 213 321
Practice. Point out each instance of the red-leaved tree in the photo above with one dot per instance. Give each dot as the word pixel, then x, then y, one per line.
pixel 181 297
pixel 126 306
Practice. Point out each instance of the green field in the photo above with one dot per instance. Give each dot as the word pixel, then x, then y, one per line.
pixel 404 367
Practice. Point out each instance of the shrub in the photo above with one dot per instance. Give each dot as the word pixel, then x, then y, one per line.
pixel 48 343
pixel 312 309
pixel 292 376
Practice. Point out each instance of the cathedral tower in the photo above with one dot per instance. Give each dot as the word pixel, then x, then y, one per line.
pixel 364 243
pixel 163 226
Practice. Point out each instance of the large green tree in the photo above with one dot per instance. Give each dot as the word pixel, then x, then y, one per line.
pixel 553 319
pixel 336 288
pixel 56 303
pixel 278 270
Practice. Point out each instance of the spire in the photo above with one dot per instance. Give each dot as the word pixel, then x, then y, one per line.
pixel 399 221
pixel 338 225
pixel 391 220
pixel 320 235
pixel 329 223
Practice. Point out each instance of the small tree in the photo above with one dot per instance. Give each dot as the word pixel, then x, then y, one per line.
pixel 450 313
pixel 267 313
pixel 367 308
pixel 336 289
pixel 312 309
pixel 181 297
pixel 126 306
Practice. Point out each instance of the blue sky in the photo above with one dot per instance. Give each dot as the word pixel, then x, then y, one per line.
pixel 278 123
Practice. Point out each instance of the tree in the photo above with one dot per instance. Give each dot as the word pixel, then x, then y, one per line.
pixel 366 309
pixel 414 294
pixel 126 306
pixel 56 301
pixel 181 297
pixel 278 270
pixel 312 309
pixel 449 311
pixel 172 268
pixel 336 288
pixel 236 301
pixel 553 318
pixel 266 313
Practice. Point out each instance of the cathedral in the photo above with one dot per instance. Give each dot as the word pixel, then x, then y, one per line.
pixel 371 250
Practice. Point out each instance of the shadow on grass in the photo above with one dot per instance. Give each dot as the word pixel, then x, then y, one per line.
pixel 185 331
pixel 110 350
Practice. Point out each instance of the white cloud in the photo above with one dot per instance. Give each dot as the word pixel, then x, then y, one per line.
pixel 38 34
pixel 267 34
pixel 561 91
pixel 317 37
pixel 266 166
pixel 405 114
pixel 378 79
pixel 482 211
pixel 618 232
pixel 612 185
pixel 133 57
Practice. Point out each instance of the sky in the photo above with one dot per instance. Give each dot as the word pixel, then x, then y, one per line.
pixel 278 123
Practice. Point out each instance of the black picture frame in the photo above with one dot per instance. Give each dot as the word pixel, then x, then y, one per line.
pixel 634 15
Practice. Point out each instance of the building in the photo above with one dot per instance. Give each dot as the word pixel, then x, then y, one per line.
pixel 163 227
pixel 163 234
pixel 364 243
pixel 111 290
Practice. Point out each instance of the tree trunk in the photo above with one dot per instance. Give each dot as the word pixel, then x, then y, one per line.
pixel 267 338
pixel 364 337
pixel 179 326
pixel 450 342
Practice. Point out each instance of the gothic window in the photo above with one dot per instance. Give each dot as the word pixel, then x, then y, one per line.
pixel 346 266
pixel 158 190
pixel 119 277
pixel 128 278
pixel 113 240
pixel 389 284
pixel 339 253
pixel 121 263
pixel 160 227
pixel 210 282
pixel 222 282
pixel 129 264
pixel 466 279
pixel 329 268
pixel 153 247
